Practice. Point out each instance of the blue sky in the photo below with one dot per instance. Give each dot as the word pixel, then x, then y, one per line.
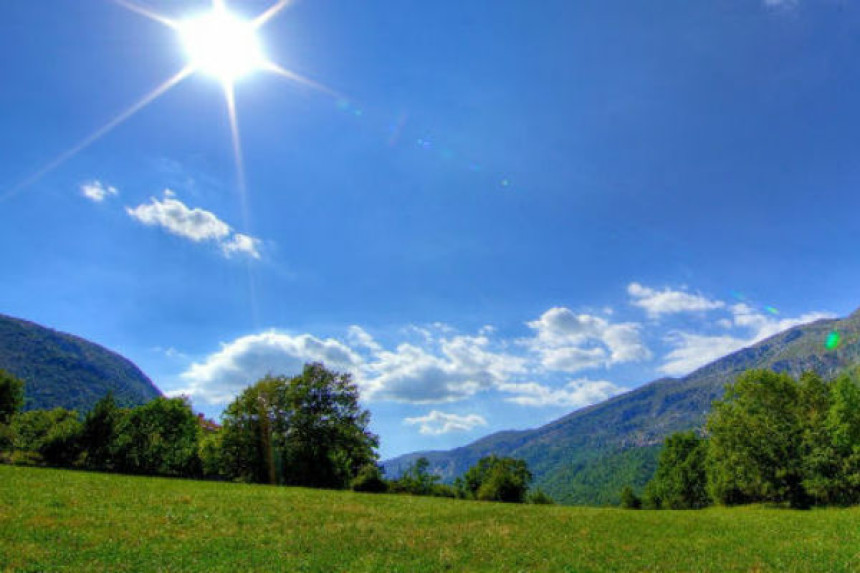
pixel 495 213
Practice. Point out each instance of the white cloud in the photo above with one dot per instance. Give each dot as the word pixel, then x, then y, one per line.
pixel 668 301
pixel 97 191
pixel 195 224
pixel 240 363
pixel 452 369
pixel 575 394
pixel 764 326
pixel 692 351
pixel 359 337
pixel 572 359
pixel 436 423
pixel 241 244
pixel 569 342
pixel 695 350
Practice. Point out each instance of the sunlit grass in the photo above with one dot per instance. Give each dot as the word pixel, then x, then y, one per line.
pixel 53 519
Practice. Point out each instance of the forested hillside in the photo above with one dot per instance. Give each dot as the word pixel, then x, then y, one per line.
pixel 588 455
pixel 61 370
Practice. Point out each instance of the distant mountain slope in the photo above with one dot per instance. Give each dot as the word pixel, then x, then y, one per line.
pixel 63 370
pixel 588 455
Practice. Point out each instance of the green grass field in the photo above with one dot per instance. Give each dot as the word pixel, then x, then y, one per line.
pixel 76 521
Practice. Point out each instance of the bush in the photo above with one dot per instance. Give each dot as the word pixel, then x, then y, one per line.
pixel 53 435
pixel 496 479
pixel 629 499
pixel 538 497
pixel 369 480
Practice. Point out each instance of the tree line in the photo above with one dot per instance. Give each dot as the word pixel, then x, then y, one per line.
pixel 307 430
pixel 771 439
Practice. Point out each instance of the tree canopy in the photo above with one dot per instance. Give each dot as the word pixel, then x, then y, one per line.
pixel 306 430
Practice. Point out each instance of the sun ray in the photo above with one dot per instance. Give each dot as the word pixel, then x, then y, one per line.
pixel 148 13
pixel 273 11
pixel 242 183
pixel 292 76
pixel 230 95
pixel 102 131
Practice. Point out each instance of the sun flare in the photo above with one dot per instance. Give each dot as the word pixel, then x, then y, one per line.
pixel 218 43
pixel 222 45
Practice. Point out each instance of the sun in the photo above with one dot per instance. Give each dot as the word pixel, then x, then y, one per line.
pixel 219 44
pixel 222 45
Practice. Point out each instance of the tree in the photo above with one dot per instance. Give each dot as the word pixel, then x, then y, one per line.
pixel 756 432
pixel 99 433
pixel 369 480
pixel 681 480
pixel 53 434
pixel 211 452
pixel 629 499
pixel 249 429
pixel 841 456
pixel 496 478
pixel 158 438
pixel 11 396
pixel 308 430
pixel 819 462
pixel 417 479
pixel 538 497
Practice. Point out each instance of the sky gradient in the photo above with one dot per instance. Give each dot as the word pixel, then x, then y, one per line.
pixel 495 212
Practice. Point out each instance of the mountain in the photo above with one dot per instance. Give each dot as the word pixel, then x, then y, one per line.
pixel 63 370
pixel 587 456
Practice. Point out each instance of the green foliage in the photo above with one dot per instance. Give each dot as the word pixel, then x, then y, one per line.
pixel 587 456
pixel 62 370
pixel 52 434
pixel 158 438
pixel 369 480
pixel 417 480
pixel 538 497
pixel 11 396
pixel 629 499
pixel 307 430
pixel 755 441
pixel 496 478
pixel 681 480
pixel 99 433
pixel 832 447
pixel 211 454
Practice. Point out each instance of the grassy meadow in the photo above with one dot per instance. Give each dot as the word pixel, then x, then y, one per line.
pixel 77 521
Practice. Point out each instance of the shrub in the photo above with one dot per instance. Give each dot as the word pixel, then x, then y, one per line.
pixel 538 497
pixel 369 480
pixel 629 499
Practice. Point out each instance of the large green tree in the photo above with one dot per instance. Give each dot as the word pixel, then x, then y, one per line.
pixel 307 430
pixel 756 432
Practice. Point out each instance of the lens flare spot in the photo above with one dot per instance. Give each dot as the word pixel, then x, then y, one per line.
pixel 774 311
pixel 833 341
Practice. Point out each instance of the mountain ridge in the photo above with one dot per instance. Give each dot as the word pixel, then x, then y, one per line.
pixel 65 370
pixel 619 439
